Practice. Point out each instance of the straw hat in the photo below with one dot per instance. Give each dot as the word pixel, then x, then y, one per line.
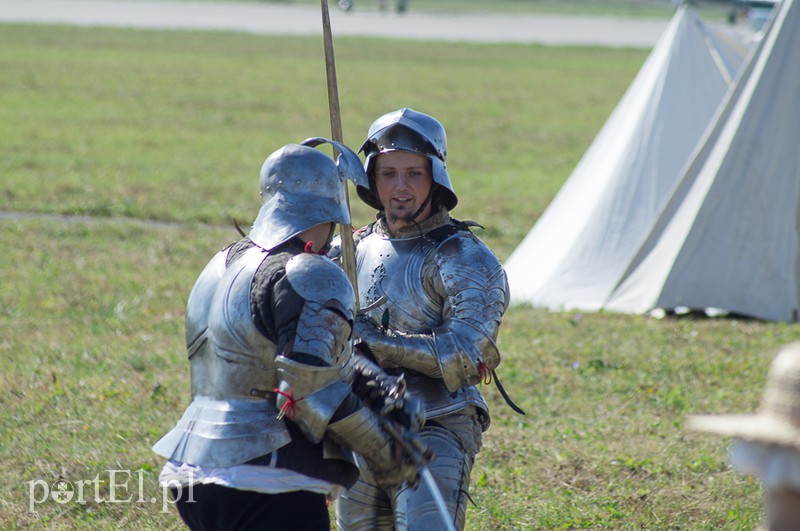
pixel 777 420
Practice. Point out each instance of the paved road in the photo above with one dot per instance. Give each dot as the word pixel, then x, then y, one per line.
pixel 306 20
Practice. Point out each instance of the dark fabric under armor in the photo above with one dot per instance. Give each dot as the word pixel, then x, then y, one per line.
pixel 214 508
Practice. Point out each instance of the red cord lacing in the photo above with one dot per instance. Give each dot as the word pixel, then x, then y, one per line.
pixel 484 373
pixel 287 409
pixel 309 248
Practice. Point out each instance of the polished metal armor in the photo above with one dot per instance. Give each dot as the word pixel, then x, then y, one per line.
pixel 234 415
pixel 323 331
pixel 454 439
pixel 444 294
pixel 433 297
pixel 326 290
pixel 232 365
pixel 445 301
pixel 242 387
pixel 300 188
pixel 412 131
pixel 314 393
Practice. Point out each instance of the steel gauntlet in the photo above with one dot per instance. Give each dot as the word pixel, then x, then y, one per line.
pixel 394 349
pixel 458 353
pixel 465 355
pixel 361 431
pixel 387 395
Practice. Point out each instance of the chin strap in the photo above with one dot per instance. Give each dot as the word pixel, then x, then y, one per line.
pixel 424 203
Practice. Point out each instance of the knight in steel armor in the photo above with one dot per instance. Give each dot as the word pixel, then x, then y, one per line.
pixel 435 296
pixel 279 400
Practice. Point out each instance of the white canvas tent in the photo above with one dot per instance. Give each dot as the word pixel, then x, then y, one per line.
pixel 730 237
pixel 578 252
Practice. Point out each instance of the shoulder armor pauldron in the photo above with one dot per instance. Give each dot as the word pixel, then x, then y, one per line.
pixel 317 279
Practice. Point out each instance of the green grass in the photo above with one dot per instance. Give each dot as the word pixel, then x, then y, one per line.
pixel 148 124
pixel 158 138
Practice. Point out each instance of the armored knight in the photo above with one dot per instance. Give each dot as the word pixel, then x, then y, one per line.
pixel 436 296
pixel 276 410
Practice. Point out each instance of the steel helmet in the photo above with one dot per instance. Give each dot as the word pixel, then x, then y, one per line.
pixel 300 188
pixel 412 131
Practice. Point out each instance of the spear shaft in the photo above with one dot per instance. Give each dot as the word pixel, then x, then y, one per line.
pixel 345 231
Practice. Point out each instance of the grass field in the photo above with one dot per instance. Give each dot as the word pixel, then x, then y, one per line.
pixel 151 142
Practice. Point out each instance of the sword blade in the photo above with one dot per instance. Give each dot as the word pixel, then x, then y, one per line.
pixel 437 497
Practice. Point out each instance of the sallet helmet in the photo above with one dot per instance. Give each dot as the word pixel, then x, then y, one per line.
pixel 300 188
pixel 412 131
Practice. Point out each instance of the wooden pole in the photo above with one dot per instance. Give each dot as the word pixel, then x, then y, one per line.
pixel 345 231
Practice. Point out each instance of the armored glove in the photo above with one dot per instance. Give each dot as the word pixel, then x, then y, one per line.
pixel 386 394
pixel 392 349
pixel 385 431
pixel 394 455
pixel 457 352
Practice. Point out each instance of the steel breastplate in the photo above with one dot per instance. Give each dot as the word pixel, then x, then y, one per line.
pixel 229 422
pixel 393 268
pixel 243 359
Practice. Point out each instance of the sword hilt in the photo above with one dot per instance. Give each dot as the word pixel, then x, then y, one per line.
pixel 419 454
